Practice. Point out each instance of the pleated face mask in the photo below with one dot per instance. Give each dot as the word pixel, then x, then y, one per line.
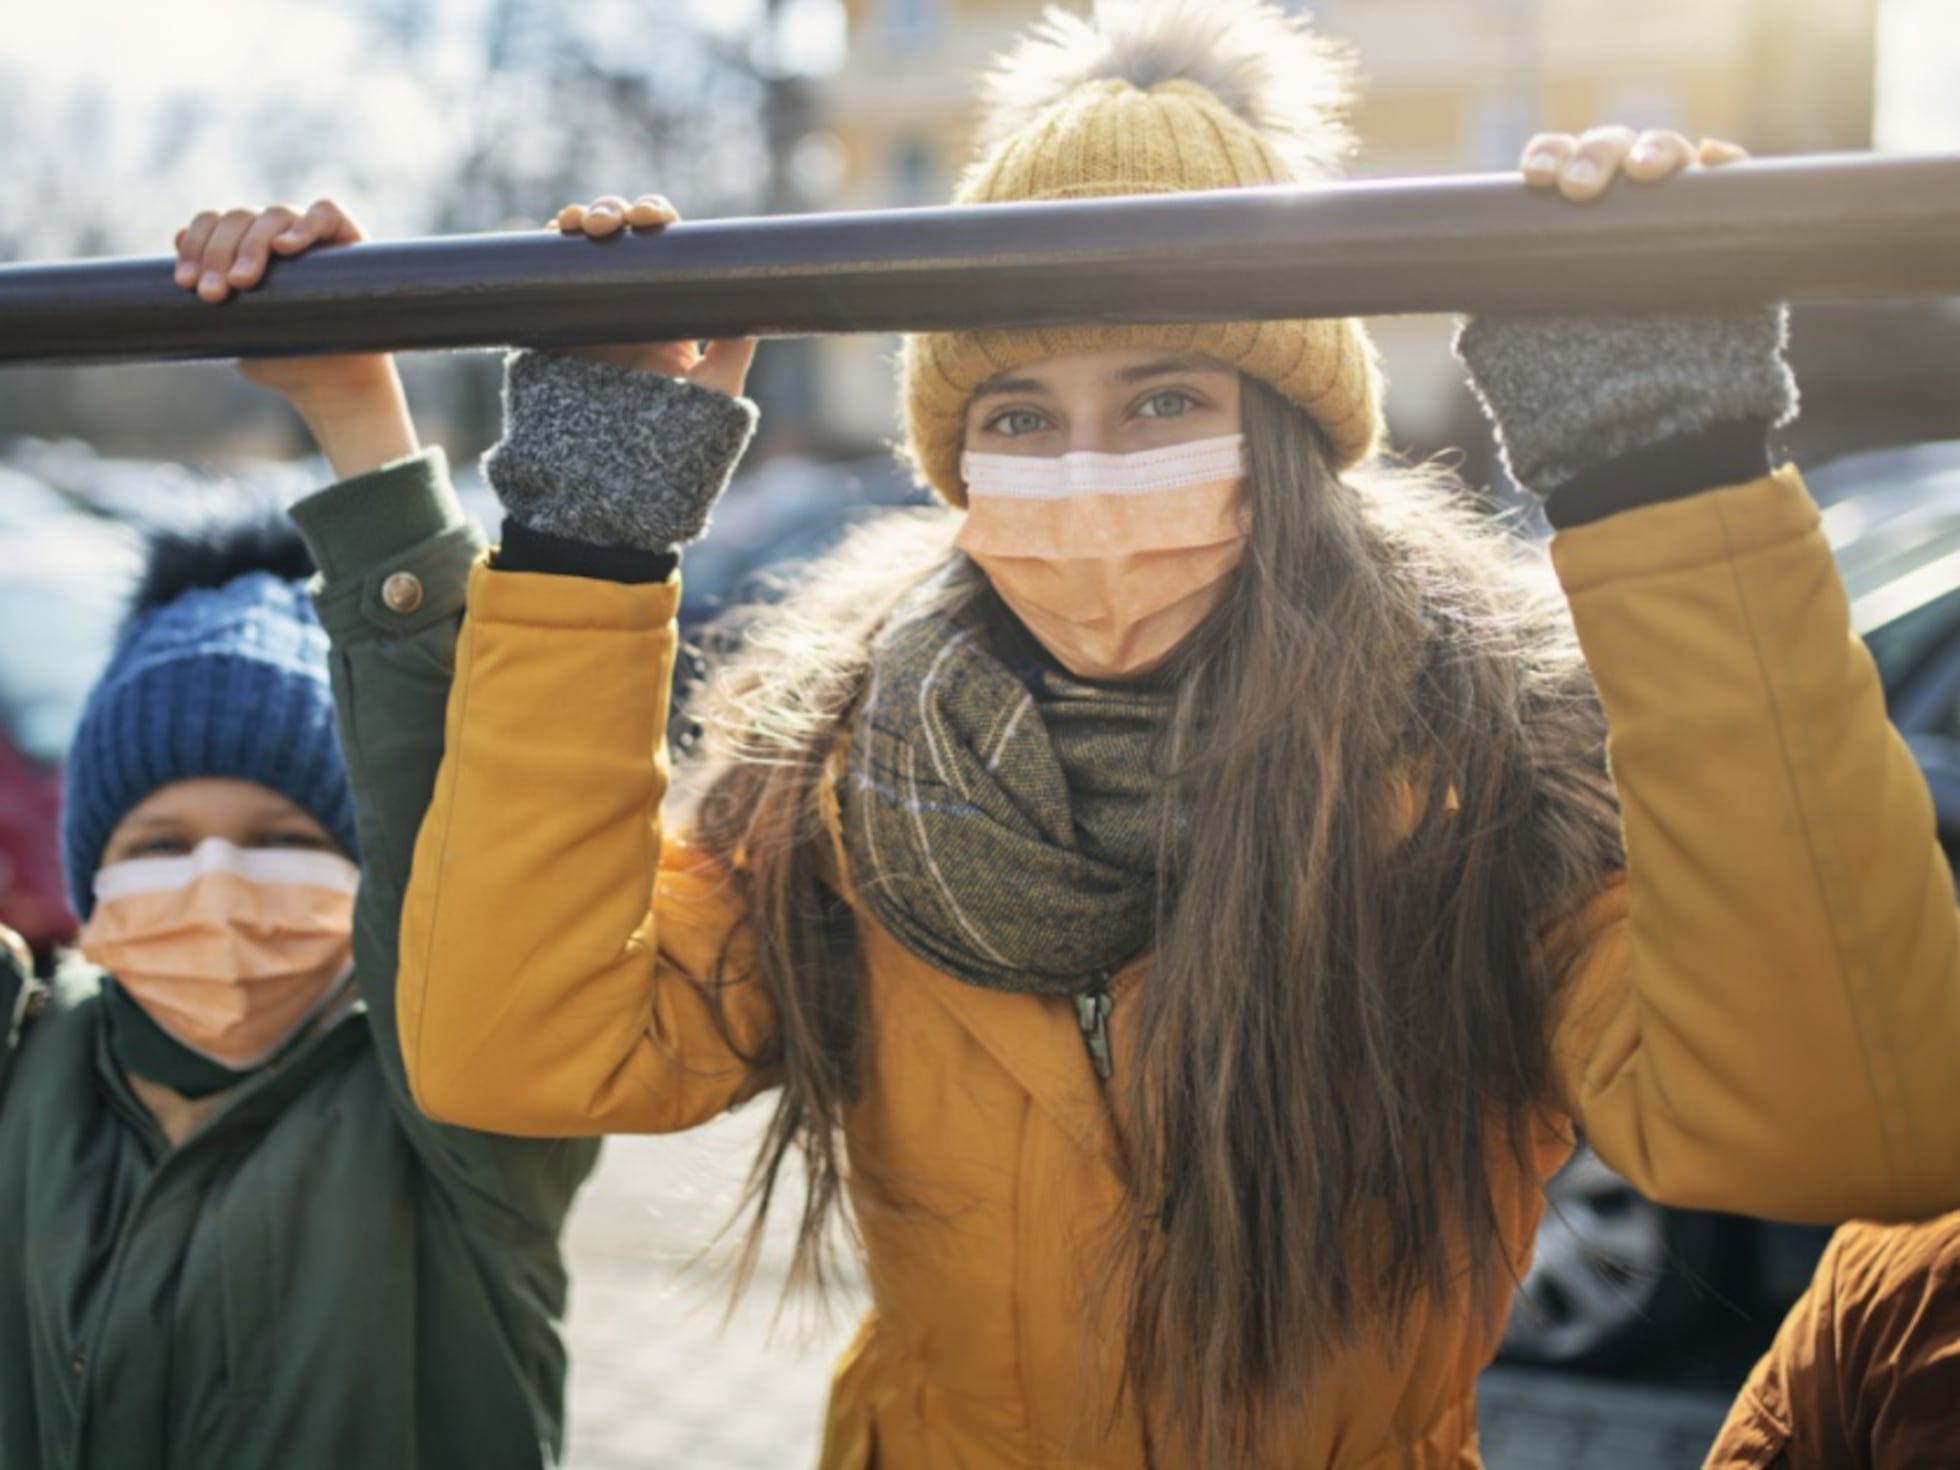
pixel 229 950
pixel 1111 560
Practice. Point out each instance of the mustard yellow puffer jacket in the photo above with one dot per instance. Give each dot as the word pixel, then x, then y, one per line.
pixel 1768 1020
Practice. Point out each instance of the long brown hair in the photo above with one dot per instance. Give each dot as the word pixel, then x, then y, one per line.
pixel 1403 777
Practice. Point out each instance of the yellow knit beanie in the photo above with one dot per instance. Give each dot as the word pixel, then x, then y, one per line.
pixel 1154 97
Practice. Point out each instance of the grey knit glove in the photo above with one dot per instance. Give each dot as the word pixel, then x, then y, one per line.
pixel 608 455
pixel 1567 393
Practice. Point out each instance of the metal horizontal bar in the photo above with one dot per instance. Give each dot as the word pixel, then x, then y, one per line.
pixel 1832 226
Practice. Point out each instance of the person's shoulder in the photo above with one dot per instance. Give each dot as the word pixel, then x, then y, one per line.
pixel 1884 1291
pixel 1869 1259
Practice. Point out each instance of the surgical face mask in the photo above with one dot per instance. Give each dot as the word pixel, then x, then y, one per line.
pixel 1111 560
pixel 231 951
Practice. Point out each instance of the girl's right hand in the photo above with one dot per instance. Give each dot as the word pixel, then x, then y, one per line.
pixel 723 366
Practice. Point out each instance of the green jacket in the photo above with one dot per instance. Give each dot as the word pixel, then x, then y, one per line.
pixel 317 1276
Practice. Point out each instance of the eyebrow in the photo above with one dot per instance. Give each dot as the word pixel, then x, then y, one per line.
pixel 993 387
pixel 258 816
pixel 1183 362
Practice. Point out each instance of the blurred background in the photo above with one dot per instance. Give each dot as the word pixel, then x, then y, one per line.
pixel 119 120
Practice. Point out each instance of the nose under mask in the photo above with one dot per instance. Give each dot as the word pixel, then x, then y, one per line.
pixel 1111 560
pixel 231 951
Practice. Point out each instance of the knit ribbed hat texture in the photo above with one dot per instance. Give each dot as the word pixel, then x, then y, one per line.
pixel 227 681
pixel 1153 97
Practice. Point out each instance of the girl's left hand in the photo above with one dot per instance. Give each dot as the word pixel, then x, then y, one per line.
pixel 722 366
pixel 1581 168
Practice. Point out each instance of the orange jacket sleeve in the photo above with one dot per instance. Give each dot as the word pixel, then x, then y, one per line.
pixel 1768 1017
pixel 1865 1370
pixel 558 953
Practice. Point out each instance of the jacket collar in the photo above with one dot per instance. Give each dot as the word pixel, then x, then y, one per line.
pixel 259 1096
pixel 1034 1038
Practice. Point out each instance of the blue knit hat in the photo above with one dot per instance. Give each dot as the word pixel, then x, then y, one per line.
pixel 221 671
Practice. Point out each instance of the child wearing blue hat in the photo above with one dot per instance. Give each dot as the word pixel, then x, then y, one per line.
pixel 208 830
pixel 227 1237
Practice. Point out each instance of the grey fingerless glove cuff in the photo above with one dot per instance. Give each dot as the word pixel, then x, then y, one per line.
pixel 604 454
pixel 1567 393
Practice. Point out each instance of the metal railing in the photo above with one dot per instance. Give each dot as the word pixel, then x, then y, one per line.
pixel 1834 226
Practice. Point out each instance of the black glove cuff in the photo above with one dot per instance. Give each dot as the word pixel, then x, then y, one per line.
pixel 1732 453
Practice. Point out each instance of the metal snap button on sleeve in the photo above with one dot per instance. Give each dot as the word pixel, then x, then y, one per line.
pixel 402 592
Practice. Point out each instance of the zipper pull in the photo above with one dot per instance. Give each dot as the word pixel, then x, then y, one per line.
pixel 1092 1015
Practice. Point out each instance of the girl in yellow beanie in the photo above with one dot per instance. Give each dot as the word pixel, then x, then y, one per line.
pixel 1175 895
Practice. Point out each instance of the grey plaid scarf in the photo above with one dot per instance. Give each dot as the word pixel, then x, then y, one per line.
pixel 997 810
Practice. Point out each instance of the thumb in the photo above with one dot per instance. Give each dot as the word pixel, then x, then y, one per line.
pixel 724 367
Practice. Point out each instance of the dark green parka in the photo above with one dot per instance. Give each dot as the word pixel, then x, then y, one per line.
pixel 317 1276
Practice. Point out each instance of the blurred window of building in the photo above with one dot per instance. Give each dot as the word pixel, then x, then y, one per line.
pixel 819 166
pixel 858 391
pixel 1918 46
pixel 1500 126
pixel 808 37
pixel 1648 103
pixel 914 175
pixel 911 25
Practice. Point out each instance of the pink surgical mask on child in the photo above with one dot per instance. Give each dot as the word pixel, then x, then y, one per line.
pixel 229 950
pixel 1111 560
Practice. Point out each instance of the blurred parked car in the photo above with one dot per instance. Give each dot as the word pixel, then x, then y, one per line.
pixel 1616 1278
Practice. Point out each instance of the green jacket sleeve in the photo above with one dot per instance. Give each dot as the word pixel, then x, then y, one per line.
pixel 394 549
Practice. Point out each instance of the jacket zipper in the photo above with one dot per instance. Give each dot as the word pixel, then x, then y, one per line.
pixel 1092 1017
pixel 1092 1007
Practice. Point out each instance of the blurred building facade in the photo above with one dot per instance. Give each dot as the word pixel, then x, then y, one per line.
pixel 1448 86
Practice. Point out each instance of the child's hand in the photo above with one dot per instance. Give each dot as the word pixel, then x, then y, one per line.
pixel 724 366
pixel 218 254
pixel 352 403
pixel 1582 167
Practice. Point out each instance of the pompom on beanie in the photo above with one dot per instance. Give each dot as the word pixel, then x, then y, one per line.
pixel 1154 97
pixel 221 671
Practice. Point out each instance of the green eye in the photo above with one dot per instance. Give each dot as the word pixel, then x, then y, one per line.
pixel 1166 405
pixel 1018 421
